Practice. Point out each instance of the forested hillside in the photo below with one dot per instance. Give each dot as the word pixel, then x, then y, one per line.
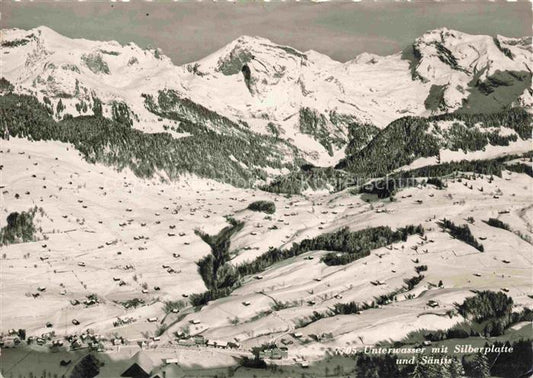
pixel 409 138
pixel 239 160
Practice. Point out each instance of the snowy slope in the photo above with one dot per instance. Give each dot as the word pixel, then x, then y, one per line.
pixel 78 71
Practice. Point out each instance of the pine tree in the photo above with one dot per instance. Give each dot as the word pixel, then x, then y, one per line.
pixel 480 366
pixel 455 368
pixel 419 370
pixel 60 107
pixel 440 371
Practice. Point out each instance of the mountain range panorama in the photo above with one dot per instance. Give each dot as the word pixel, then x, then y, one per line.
pixel 265 211
pixel 267 109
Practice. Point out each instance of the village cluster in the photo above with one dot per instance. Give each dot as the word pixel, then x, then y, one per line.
pixel 115 273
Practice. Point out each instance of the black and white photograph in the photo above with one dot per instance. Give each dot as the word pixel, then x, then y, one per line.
pixel 259 189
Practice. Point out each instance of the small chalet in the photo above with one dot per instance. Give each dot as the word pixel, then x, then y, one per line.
pixel 141 366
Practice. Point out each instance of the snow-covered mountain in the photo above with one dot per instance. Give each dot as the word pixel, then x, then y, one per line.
pixel 305 98
pixel 459 64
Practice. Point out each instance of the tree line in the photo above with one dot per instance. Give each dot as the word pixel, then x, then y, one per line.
pixel 462 233
pixel 98 139
pixel 344 246
pixel 221 277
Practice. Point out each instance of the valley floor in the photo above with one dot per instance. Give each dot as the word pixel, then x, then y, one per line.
pixel 122 238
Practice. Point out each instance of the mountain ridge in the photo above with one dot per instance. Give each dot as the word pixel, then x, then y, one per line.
pixel 305 98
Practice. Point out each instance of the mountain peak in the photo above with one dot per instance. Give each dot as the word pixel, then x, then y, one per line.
pixel 45 30
pixel 246 39
pixel 46 34
pixel 441 35
pixel 246 42
pixel 231 58
pixel 258 45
